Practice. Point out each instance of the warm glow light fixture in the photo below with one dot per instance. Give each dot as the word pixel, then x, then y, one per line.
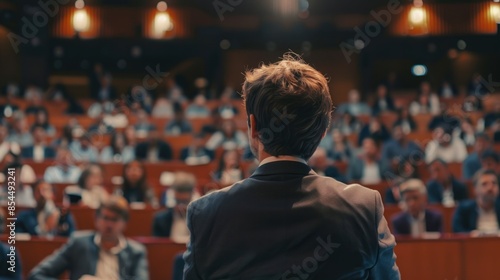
pixel 417 15
pixel 495 12
pixel 81 20
pixel 162 21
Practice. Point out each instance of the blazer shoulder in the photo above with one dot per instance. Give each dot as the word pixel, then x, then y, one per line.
pixel 201 204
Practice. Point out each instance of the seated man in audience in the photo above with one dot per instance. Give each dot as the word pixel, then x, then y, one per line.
pixel 196 153
pixel 417 219
pixel 473 161
pixel 321 165
pixel 104 254
pixel 490 160
pixel 445 147
pixel 39 151
pixel 399 146
pixel 482 214
pixel 179 125
pixel 171 222
pixel 64 171
pixel 228 137
pixel 153 150
pixel 6 146
pixel 45 219
pixel 354 106
pixel 443 187
pixel 367 168
pixel 83 150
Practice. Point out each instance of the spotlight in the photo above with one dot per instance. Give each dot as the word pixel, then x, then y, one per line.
pixel 417 15
pixel 419 70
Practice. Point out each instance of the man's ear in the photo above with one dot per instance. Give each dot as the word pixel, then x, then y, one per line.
pixel 253 126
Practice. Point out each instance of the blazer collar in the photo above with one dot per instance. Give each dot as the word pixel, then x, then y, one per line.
pixel 282 167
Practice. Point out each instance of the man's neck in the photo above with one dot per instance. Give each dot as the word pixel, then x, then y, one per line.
pixel 485 205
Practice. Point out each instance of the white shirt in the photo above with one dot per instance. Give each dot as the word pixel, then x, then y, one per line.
pixel 282 158
pixel 5 147
pixel 456 151
pixel 417 225
pixel 108 265
pixel 371 174
pixel 179 231
pixel 487 221
pixel 448 200
pixel 38 153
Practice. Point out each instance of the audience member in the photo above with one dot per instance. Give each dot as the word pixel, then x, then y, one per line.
pixel 405 120
pixel 490 160
pixel 116 118
pixel 491 118
pixel 45 219
pixel 106 91
pixel 445 147
pixel 320 164
pixel 174 92
pixel 171 222
pixel 346 123
pixel 20 133
pixel 367 167
pixel 443 187
pixel 374 129
pixel 20 189
pixel 163 109
pixel 143 126
pixel 383 101
pixel 467 132
pixel 447 90
pixel 198 109
pixel 407 169
pixel 482 214
pixel 228 137
pixel 178 125
pixel 399 146
pixel 337 146
pixel 226 109
pixel 154 149
pixel 89 190
pixel 118 151
pixel 100 126
pixel 83 150
pixel 135 187
pixel 354 106
pixel 229 170
pixel 42 120
pixel 39 151
pixel 35 105
pixel 472 162
pixel 9 109
pixel 417 219
pixel 196 153
pixel 448 121
pixel 427 101
pixel 103 254
pixel 5 145
pixel 64 170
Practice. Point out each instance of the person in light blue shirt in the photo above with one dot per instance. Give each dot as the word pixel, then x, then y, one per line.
pixel 83 150
pixel 64 171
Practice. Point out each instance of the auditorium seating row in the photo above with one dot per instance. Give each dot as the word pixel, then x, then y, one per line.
pixel 449 257
pixel 141 220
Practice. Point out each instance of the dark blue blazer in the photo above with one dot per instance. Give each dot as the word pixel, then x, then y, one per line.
pixel 435 191
pixel 27 222
pixel 266 225
pixel 162 223
pixel 433 222
pixel 28 152
pixel 467 213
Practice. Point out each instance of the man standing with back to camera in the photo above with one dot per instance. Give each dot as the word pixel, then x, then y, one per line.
pixel 285 221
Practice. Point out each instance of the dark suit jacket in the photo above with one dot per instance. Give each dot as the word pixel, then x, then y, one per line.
pixel 435 191
pixel 162 223
pixel 466 215
pixel 80 256
pixel 284 220
pixel 164 151
pixel 48 152
pixel 433 222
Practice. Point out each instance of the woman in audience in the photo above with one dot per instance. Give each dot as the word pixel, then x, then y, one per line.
pixel 339 148
pixel 467 132
pixel 89 190
pixel 135 187
pixel 383 101
pixel 178 125
pixel 405 120
pixel 346 123
pixel 228 137
pixel 198 109
pixel 229 170
pixel 24 176
pixel 426 103
pixel 143 126
pixel 118 151
pixel 46 219
pixel 374 129
pixel 42 119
